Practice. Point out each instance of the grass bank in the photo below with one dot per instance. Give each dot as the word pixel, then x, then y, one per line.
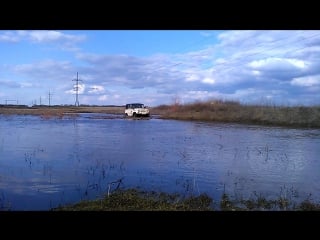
pixel 134 200
pixel 234 112
pixel 60 111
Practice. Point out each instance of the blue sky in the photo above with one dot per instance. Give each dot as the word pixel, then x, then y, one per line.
pixel 160 66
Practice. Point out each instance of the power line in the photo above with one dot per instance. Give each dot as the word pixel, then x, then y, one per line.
pixel 8 100
pixel 50 94
pixel 76 88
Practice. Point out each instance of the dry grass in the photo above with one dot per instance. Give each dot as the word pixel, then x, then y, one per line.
pixel 57 111
pixel 230 111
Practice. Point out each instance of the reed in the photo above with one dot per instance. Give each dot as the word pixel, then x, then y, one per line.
pixel 234 112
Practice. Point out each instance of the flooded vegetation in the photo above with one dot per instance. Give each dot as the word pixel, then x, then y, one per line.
pixel 51 162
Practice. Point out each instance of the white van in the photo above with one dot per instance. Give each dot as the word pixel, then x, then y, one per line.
pixel 136 110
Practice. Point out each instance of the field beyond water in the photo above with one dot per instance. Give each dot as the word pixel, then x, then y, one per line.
pixel 59 111
pixel 211 111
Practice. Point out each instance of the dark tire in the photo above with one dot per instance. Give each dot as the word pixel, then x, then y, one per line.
pixel 134 114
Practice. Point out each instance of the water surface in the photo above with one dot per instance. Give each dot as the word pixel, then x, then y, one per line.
pixel 45 163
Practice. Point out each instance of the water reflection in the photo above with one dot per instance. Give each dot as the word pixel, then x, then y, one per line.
pixel 48 162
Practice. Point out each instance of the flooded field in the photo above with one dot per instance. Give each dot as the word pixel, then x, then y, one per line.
pixel 45 163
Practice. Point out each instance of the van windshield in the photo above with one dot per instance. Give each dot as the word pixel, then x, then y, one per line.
pixel 135 106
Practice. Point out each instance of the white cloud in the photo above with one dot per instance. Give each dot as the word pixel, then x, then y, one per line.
pixel 96 89
pixel 81 89
pixel 8 37
pixel 275 63
pixel 192 77
pixel 42 36
pixel 46 70
pixel 205 34
pixel 243 65
pixel 9 84
pixel 208 80
pixel 221 61
pixel 256 73
pixel 245 92
pixel 308 81
pixel 103 98
pixel 190 96
pixel 27 85
pixel 64 41
pixel 232 38
pixel 46 64
pixel 72 91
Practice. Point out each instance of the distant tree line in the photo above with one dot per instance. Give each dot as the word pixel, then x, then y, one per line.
pixel 13 106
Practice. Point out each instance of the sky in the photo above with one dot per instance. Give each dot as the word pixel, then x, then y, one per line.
pixel 156 67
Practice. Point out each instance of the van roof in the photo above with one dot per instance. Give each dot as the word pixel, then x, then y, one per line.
pixel 134 104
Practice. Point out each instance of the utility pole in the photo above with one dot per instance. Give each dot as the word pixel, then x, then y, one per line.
pixel 76 88
pixel 50 94
pixel 40 100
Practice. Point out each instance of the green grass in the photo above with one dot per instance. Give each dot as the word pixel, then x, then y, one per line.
pixel 134 200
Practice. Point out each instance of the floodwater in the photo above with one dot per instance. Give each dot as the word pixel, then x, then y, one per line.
pixel 45 163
